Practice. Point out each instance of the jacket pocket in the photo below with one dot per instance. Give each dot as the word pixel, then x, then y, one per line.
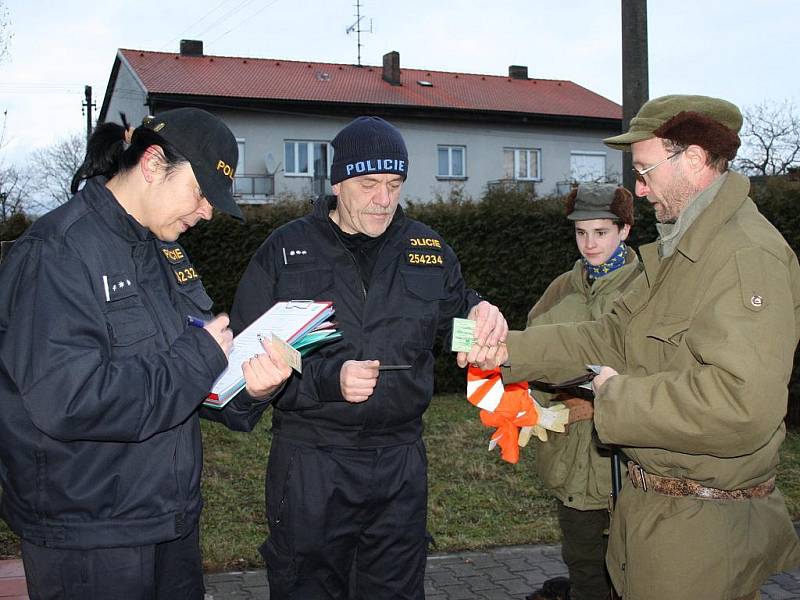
pixel 307 284
pixel 424 286
pixel 670 330
pixel 668 334
pixel 129 322
pixel 419 309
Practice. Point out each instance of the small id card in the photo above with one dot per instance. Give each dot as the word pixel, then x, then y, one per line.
pixel 463 335
pixel 292 356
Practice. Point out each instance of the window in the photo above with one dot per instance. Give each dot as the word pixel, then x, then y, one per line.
pixel 307 159
pixel 522 163
pixel 452 163
pixel 587 166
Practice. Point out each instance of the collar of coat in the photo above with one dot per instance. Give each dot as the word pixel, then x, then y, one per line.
pixel 728 200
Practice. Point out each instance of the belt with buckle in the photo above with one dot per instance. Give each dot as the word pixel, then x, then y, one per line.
pixel 670 486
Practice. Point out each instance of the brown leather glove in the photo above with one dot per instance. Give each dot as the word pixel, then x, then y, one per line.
pixel 579 409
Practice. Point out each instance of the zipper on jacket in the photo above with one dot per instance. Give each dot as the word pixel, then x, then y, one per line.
pixel 355 263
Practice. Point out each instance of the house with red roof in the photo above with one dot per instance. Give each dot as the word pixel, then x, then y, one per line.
pixel 464 131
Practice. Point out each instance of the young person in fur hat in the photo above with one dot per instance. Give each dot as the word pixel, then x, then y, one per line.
pixel 698 352
pixel 570 464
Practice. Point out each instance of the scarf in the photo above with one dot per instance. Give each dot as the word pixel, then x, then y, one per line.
pixel 614 262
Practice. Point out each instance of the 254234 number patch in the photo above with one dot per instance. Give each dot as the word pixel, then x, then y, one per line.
pixel 425 258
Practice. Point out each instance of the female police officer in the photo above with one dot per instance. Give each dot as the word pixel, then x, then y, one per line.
pixel 569 463
pixel 100 377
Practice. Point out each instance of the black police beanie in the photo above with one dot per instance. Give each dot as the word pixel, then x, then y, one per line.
pixel 368 145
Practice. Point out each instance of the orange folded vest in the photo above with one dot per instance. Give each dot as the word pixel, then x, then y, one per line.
pixel 505 407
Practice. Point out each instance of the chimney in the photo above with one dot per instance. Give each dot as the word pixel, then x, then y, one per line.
pixel 391 67
pixel 191 47
pixel 518 72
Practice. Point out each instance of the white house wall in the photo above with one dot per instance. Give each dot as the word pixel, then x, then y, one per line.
pixel 128 97
pixel 265 133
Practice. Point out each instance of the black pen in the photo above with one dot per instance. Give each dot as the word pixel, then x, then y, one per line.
pixel 393 367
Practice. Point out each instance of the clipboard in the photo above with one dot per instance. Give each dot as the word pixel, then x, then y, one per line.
pixel 290 321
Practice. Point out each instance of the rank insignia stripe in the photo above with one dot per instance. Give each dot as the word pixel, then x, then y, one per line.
pixel 296 255
pixel 118 286
pixel 417 258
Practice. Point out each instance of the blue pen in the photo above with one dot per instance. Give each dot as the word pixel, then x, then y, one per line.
pixel 195 322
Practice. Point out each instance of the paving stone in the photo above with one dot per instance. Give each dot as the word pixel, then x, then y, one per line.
pixel 499 573
pixel 442 579
pixel 517 586
pixel 479 582
pixel 462 569
pixel 457 592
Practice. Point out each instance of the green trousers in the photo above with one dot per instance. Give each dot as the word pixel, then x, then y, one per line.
pixel 584 541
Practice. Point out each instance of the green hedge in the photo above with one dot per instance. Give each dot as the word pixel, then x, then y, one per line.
pixel 510 249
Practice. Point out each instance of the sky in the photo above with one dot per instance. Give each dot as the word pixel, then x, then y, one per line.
pixel 745 51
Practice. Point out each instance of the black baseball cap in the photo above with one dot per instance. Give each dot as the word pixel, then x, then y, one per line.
pixel 210 148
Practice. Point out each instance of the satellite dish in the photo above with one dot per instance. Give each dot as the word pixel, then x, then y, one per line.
pixel 269 163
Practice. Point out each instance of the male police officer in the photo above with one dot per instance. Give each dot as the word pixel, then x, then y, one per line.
pixel 703 342
pixel 347 473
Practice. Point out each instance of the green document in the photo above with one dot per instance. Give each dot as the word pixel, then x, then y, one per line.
pixel 463 335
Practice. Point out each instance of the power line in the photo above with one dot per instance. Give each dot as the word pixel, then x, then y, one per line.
pixel 250 18
pixel 180 35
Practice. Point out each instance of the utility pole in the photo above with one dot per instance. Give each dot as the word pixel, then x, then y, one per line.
pixel 88 105
pixel 635 77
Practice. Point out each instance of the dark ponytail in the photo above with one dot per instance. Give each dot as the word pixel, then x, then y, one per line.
pixel 107 154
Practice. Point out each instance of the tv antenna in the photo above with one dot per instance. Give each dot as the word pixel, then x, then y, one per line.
pixel 356 27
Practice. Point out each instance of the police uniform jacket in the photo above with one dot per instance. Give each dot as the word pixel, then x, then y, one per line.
pixel 415 290
pixel 570 463
pixel 100 380
pixel 704 341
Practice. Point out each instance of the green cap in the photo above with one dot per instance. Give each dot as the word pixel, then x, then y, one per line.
pixel 651 119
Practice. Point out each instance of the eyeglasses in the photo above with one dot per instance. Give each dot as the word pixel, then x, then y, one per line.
pixel 640 174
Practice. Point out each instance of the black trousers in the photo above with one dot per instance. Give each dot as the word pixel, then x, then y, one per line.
pixel 333 511
pixel 584 540
pixel 167 571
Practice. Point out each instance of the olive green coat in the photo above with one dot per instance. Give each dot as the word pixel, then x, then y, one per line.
pixel 704 341
pixel 570 464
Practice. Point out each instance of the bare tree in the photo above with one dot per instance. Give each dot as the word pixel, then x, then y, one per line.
pixel 14 192
pixel 14 183
pixel 54 167
pixel 770 139
pixel 5 34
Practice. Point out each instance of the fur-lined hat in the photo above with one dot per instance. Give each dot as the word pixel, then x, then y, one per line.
pixel 711 123
pixel 600 201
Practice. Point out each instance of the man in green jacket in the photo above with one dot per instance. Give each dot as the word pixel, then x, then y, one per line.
pixel 569 463
pixel 698 354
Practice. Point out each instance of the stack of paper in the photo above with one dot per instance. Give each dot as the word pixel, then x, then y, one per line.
pixel 299 326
